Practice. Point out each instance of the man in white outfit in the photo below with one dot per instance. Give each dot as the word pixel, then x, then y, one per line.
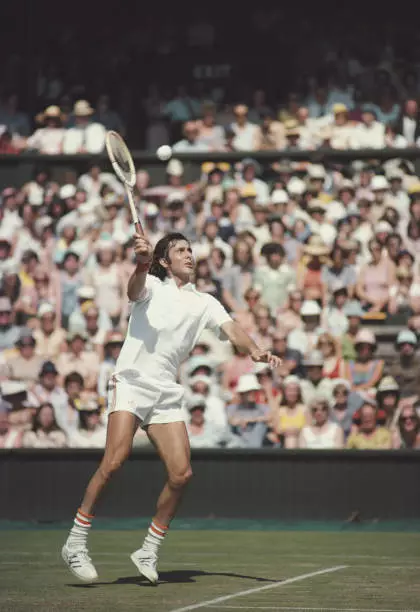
pixel 86 136
pixel 167 319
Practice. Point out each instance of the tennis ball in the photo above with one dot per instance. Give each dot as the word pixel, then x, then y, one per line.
pixel 164 152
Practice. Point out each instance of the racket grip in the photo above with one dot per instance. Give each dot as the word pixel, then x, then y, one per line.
pixel 138 227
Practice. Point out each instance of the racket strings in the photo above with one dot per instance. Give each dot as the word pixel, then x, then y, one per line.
pixel 122 157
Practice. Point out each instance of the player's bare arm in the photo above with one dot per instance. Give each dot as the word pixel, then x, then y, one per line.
pixel 144 253
pixel 245 344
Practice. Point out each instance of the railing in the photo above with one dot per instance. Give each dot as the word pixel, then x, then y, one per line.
pixel 18 169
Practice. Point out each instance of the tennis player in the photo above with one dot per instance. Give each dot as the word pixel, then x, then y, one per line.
pixel 167 318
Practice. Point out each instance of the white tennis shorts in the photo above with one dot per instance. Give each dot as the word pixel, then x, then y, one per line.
pixel 149 404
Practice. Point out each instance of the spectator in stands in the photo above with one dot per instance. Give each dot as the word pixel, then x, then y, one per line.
pixel 17 122
pixel 334 366
pixel 314 383
pixel 245 132
pixel 322 433
pixel 204 434
pixel 369 134
pixel 408 124
pixel 309 273
pixel 405 369
pixel 263 336
pixel 275 278
pixel 239 278
pixel 335 318
pixel 354 313
pixel 248 419
pixel 369 434
pixel 47 390
pixel 48 337
pixel 344 405
pixel 305 339
pixel 9 333
pixel 49 138
pixel 339 272
pixel 270 135
pixel 91 432
pixel 387 398
pixel 45 432
pixel 191 143
pixel 180 109
pixel 69 280
pixel 68 419
pixel 407 435
pixel 78 359
pixel 364 372
pixel 291 358
pixel 10 436
pixel 375 279
pixel 87 136
pixel 106 280
pixel 201 384
pixel 77 320
pixel 95 336
pixel 210 135
pixel 26 364
pixel 291 318
pixel 291 416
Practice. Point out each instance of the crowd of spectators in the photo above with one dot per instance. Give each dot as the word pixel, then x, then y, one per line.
pixel 308 258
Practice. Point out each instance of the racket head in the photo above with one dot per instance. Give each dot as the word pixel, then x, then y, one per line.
pixel 120 157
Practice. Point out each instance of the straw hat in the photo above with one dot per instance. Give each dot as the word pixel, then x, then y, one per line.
pixel 248 382
pixel 292 127
pixel 365 336
pixel 316 247
pixel 51 112
pixel 82 108
pixel 339 108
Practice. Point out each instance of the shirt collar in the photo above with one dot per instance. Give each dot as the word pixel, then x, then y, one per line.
pixel 187 287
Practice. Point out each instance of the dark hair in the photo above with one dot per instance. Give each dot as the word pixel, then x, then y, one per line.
pixel 36 423
pixel 74 377
pixel 272 248
pixel 161 252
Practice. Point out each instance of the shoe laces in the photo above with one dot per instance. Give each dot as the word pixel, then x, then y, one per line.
pixel 80 555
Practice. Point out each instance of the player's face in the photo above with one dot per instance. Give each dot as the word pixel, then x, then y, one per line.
pixel 181 261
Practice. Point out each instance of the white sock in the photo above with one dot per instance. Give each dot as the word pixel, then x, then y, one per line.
pixel 155 536
pixel 79 532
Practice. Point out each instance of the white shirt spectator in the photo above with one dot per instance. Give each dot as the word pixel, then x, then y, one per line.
pixel 368 136
pixel 245 136
pixel 47 140
pixel 185 146
pixel 409 129
pixel 91 138
pixel 92 187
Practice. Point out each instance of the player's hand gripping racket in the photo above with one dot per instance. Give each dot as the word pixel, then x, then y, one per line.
pixel 123 166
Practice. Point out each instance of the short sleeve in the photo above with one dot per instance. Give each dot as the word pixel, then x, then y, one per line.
pixel 217 316
pixel 151 283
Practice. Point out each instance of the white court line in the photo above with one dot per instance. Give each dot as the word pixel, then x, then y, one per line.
pixel 211 602
pixel 310 609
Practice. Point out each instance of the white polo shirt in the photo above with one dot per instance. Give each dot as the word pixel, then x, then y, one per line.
pixel 164 326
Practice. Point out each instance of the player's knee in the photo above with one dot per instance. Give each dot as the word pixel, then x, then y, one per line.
pixel 180 478
pixel 112 464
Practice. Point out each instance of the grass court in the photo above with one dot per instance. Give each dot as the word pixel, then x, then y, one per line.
pixel 347 570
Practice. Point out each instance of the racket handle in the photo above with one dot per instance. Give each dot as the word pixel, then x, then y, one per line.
pixel 133 211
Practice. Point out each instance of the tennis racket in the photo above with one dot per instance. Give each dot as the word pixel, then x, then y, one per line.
pixel 123 166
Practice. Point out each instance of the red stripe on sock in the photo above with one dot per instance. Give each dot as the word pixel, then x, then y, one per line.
pixel 87 516
pixel 159 526
pixel 87 523
pixel 159 533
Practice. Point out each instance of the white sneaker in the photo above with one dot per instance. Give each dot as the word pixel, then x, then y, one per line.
pixel 146 561
pixel 79 563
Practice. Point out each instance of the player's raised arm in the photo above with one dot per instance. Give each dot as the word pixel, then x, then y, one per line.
pixel 245 344
pixel 144 254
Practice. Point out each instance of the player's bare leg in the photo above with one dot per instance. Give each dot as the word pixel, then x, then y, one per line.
pixel 172 444
pixel 122 426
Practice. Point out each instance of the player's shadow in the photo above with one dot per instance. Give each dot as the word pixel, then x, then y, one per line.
pixel 172 577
